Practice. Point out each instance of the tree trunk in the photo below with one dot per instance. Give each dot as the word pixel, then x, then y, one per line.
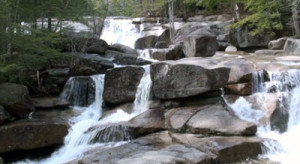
pixel 296 17
pixel 171 21
pixel 49 24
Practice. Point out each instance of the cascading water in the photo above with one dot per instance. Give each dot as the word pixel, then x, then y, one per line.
pixel 73 146
pixel 258 80
pixel 121 31
pixel 80 137
pixel 143 95
pixel 79 91
pixel 282 146
pixel 108 129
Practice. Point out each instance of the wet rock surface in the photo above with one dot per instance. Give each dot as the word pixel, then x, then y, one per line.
pixel 187 77
pixel 200 43
pixel 15 99
pixel 89 64
pixel 167 147
pixel 121 84
pixel 78 91
pixel 188 120
pixel 49 102
pixel 4 115
pixel 83 45
pixel 146 123
pixel 125 58
pixel 42 130
pixel 216 120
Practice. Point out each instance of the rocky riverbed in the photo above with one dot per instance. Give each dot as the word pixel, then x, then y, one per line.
pixel 189 117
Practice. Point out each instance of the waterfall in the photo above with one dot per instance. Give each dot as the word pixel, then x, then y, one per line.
pixel 143 95
pixel 121 31
pixel 108 129
pixel 84 135
pixel 79 91
pixel 73 145
pixel 257 80
pixel 282 146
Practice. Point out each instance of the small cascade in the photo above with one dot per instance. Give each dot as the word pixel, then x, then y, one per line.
pixel 258 81
pixel 121 31
pixel 283 144
pixel 79 91
pixel 87 131
pixel 73 145
pixel 111 128
pixel 143 95
pixel 153 54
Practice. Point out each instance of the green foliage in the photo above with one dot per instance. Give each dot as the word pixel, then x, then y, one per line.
pixel 210 4
pixel 25 45
pixel 263 16
pixel 12 73
pixel 134 8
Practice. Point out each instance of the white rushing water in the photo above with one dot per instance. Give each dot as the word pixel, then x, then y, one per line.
pixel 143 95
pixel 79 137
pixel 281 147
pixel 123 31
pixel 72 145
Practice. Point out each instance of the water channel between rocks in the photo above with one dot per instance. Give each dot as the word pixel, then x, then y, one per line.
pixel 279 146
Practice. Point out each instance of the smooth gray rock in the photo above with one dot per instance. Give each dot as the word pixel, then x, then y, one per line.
pixel 15 99
pixel 170 154
pixel 151 121
pixel 78 91
pixel 121 84
pixel 241 38
pixel 83 45
pixel 42 130
pixel 172 53
pixel 156 148
pixel 187 77
pixel 4 115
pixel 269 52
pixel 50 102
pixel 124 59
pixel 243 89
pixel 161 44
pixel 217 120
pixel 89 64
pixel 277 44
pixel 177 118
pixel 124 49
pixel 150 39
pixel 292 46
pixel 200 43
pixel 226 149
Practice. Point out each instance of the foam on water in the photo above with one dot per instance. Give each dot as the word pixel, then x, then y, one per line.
pixel 143 95
pixel 121 31
pixel 80 136
pixel 280 147
pixel 73 146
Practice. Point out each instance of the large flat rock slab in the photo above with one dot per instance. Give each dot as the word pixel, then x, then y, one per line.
pixel 187 77
pixel 170 154
pixel 217 120
pixel 177 118
pixel 15 99
pixel 45 128
pixel 227 149
pixel 148 122
pixel 167 147
pixel 156 148
pixel 25 135
pixel 121 84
